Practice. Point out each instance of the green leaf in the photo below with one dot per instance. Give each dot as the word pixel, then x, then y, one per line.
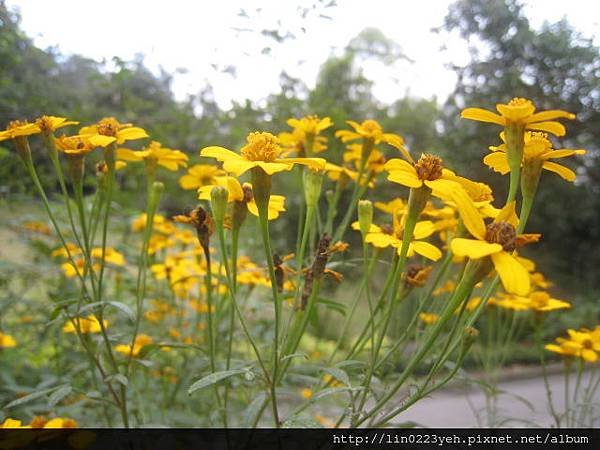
pixel 58 395
pixel 119 378
pixel 338 374
pixel 214 378
pixel 334 306
pixel 334 390
pixel 31 397
pixel 253 409
pixel 295 355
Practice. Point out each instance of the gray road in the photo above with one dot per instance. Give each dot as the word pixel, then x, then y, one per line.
pixel 522 402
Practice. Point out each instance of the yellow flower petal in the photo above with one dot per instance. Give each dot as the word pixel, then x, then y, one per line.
pixel 513 275
pixel 555 128
pixel 508 214
pixel 473 248
pixel 128 155
pixel 313 163
pixel 482 115
pixel 426 249
pixel 423 229
pixel 550 115
pixel 220 153
pixel 466 208
pixel 98 140
pixel 497 161
pixel 402 172
pixel 563 171
pixel 382 240
pixel 130 133
pixel 272 167
pixel 562 153
pixel 238 166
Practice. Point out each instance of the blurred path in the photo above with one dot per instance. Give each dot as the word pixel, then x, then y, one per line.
pixel 523 401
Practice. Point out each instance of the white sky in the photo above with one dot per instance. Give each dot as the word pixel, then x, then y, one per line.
pixel 201 37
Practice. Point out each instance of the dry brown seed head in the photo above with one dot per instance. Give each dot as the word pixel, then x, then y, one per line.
pixel 502 233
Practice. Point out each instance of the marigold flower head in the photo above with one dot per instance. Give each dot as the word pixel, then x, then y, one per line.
pixel 18 128
pixel 141 340
pixel 7 341
pixel 521 111
pixel 537 150
pixel 371 131
pixel 262 150
pixel 119 132
pixel 428 318
pixel 87 325
pixel 239 193
pixel 200 175
pixel 49 124
pixel 583 343
pixel 497 240
pixel 154 154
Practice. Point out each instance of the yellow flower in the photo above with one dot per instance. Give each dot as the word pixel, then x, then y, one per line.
pixel 81 144
pixel 310 124
pixel 536 301
pixel 155 153
pixel 305 139
pixel 12 423
pixel 141 340
pixel 91 324
pixel 372 131
pixel 498 240
pixel 49 124
pixel 200 175
pixel 375 161
pixel 239 193
pixel 261 150
pixel 306 393
pixel 160 224
pixel 428 318
pixel 18 128
pixel 344 174
pixel 120 132
pixel 521 111
pixel 111 256
pixel 584 344
pixel 537 149
pixel 61 422
pixel 7 341
pixel 37 227
pixel 386 236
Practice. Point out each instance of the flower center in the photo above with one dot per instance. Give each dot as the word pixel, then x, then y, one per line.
pixel 108 126
pixel 429 167
pixel 537 145
pixel 587 344
pixel 261 146
pixel 309 124
pixel 16 124
pixel 372 128
pixel 45 124
pixel 519 102
pixel 502 233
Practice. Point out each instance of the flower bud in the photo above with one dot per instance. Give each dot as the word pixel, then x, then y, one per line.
pixel 365 216
pixel 218 203
pixel 470 334
pixel 312 186
pixel 261 189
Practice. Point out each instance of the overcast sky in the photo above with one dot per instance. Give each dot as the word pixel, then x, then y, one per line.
pixel 204 39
